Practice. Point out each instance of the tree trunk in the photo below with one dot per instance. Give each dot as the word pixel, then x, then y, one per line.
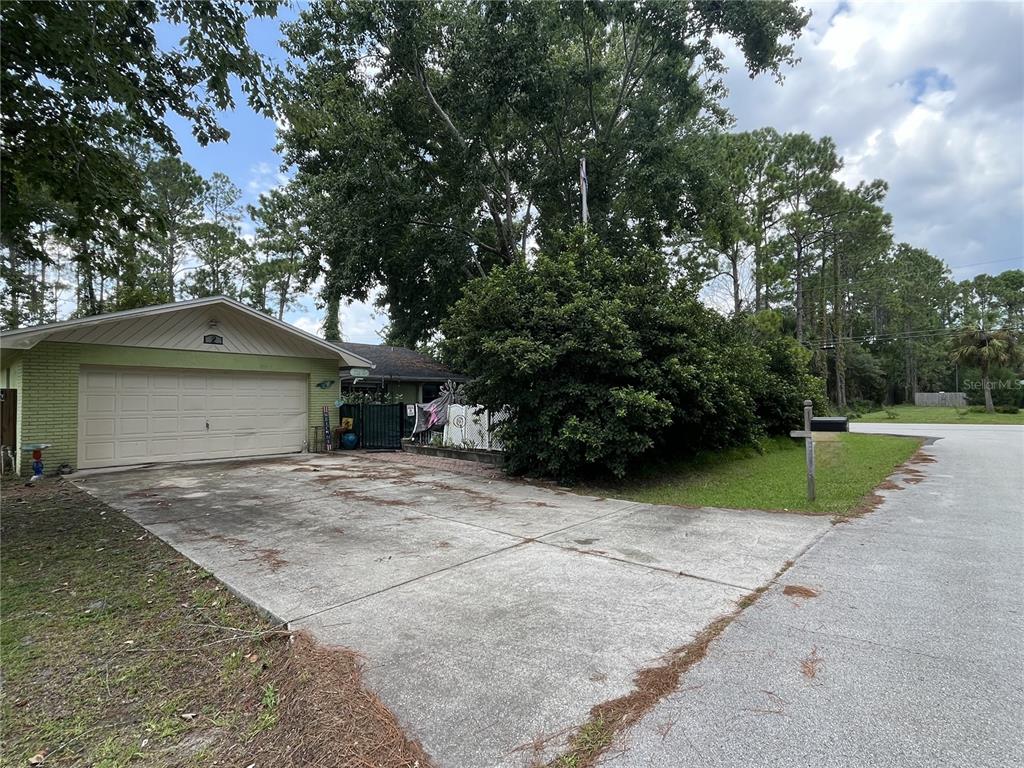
pixel 987 387
pixel 282 300
pixel 332 323
pixel 757 276
pixel 821 354
pixel 172 245
pixel 839 328
pixel 12 257
pixel 910 369
pixel 737 302
pixel 799 295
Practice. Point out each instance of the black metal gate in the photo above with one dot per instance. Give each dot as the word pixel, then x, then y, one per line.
pixel 376 426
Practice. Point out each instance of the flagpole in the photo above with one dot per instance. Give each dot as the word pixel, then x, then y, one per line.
pixel 583 188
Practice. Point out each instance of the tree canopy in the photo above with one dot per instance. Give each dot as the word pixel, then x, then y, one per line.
pixel 83 83
pixel 436 141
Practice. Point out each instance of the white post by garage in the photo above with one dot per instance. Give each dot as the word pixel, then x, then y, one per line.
pixel 808 437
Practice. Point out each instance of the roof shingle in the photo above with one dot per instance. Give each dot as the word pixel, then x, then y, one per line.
pixel 401 363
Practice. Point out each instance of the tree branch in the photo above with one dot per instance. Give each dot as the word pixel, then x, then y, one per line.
pixel 421 75
pixel 457 230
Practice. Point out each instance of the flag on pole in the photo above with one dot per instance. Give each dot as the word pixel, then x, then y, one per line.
pixel 583 188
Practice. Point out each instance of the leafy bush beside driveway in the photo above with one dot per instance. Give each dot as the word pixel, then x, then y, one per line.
pixel 603 357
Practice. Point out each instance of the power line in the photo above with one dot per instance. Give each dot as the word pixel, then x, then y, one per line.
pixel 810 284
pixel 909 335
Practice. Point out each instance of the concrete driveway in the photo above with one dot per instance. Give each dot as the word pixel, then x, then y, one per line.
pixel 492 613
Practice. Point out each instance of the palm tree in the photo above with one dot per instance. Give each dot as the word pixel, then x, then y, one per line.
pixel 983 350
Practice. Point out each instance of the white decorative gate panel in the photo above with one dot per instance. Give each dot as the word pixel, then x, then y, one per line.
pixel 470 426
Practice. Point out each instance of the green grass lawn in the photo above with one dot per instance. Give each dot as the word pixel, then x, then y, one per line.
pixel 118 651
pixel 914 414
pixel 849 466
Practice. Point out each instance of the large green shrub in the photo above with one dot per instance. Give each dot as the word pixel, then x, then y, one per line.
pixel 779 376
pixel 601 359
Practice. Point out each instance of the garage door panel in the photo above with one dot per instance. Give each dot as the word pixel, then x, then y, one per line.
pixel 163 425
pixel 159 403
pixel 248 403
pixel 132 403
pixel 188 423
pixel 135 381
pixel 164 381
pixel 98 379
pixel 190 402
pixel 100 403
pixel 133 416
pixel 165 447
pixel 221 443
pixel 191 447
pixel 99 428
pixel 295 422
pixel 137 450
pixel 138 426
pixel 220 402
pixel 98 452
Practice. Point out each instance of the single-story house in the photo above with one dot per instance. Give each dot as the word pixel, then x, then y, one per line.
pixel 411 376
pixel 203 379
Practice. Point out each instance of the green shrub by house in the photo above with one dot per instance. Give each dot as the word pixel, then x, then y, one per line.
pixel 604 357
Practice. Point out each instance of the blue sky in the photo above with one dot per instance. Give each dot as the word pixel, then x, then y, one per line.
pixel 929 96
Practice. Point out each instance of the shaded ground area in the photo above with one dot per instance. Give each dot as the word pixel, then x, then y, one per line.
pixel 519 607
pixel 849 466
pixel 896 640
pixel 117 650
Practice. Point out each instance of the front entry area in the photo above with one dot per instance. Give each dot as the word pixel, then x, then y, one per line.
pixel 143 415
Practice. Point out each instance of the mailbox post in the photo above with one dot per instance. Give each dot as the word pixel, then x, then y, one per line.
pixel 808 437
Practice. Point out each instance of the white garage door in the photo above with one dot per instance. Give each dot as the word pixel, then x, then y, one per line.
pixel 135 416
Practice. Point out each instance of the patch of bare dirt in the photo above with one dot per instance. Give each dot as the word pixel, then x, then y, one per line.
pixel 230 541
pixel 869 503
pixel 370 499
pixel 912 476
pixel 327 718
pixel 272 558
pixel 796 590
pixel 486 500
pixel 888 485
pixel 268 556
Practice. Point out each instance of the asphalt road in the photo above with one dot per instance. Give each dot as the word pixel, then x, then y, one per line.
pixel 912 653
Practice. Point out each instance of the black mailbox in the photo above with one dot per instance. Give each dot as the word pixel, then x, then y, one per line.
pixel 830 424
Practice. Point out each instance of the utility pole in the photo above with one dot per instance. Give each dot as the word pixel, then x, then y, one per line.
pixel 583 188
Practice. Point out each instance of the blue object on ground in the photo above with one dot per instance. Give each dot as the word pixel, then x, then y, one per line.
pixel 349 440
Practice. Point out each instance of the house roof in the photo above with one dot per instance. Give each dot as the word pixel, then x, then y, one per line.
pixel 26 338
pixel 400 363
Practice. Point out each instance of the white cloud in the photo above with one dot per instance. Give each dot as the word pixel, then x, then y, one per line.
pixel 930 97
pixel 361 322
pixel 264 177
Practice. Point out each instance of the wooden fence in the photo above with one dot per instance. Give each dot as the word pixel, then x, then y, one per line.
pixel 942 399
